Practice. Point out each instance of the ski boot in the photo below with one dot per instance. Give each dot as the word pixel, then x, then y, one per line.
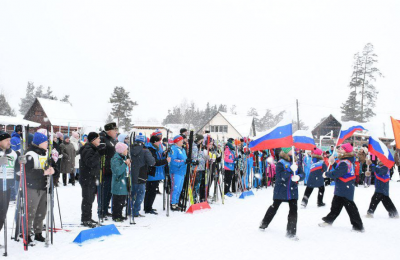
pixel 39 237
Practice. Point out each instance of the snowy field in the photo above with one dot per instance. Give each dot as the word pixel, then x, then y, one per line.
pixel 227 231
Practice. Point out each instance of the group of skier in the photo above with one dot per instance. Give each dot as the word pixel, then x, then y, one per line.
pixel 128 169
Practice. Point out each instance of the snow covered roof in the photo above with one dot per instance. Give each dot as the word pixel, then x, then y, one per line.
pixel 60 113
pixel 10 120
pixel 242 124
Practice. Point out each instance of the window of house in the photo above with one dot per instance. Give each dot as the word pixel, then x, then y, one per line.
pixel 218 129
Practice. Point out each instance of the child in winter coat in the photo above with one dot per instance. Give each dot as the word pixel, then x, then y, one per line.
pixel 119 168
pixel 285 190
pixel 315 178
pixel 381 190
pixel 343 173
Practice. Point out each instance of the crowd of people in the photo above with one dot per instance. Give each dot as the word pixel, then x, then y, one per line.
pixel 125 171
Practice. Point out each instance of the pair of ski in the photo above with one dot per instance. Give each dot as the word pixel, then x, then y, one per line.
pixel 21 209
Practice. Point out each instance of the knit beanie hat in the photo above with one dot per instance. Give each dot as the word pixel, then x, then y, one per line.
pixel 39 138
pixel 66 137
pixel 121 137
pixel 183 130
pixel 199 137
pixel 120 147
pixel 154 139
pixel 230 145
pixel 75 135
pixel 18 128
pixel 286 149
pixel 59 135
pixel 4 135
pixel 178 138
pixel 317 151
pixel 347 147
pixel 42 131
pixel 140 138
pixel 92 136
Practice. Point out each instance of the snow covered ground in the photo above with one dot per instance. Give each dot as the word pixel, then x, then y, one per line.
pixel 227 231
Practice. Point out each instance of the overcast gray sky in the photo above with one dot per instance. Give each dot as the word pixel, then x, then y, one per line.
pixel 262 54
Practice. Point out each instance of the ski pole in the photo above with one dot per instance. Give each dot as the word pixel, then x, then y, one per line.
pixel 4 162
pixel 59 208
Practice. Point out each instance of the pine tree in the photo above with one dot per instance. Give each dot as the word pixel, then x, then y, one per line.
pixel 222 108
pixel 253 112
pixel 28 100
pixel 48 94
pixel 368 91
pixel 5 109
pixel 122 107
pixel 361 101
pixel 269 120
pixel 233 110
pixel 66 99
pixel 109 119
pixel 31 94
pixel 351 108
pixel 303 126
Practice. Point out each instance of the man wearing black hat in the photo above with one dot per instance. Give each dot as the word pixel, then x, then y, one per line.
pixel 89 169
pixel 9 158
pixel 107 137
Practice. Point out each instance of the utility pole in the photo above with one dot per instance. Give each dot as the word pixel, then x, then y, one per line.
pixel 298 120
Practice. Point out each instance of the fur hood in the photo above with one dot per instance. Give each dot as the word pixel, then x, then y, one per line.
pixel 285 156
pixel 346 155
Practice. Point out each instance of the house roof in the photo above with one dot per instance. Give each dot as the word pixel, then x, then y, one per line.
pixel 10 120
pixel 242 124
pixel 60 113
pixel 323 121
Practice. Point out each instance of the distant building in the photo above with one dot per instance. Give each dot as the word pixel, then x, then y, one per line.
pixel 147 130
pixel 224 125
pixel 60 115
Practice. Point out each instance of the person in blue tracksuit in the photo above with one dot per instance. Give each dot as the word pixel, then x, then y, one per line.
pixel 343 173
pixel 285 190
pixel 382 178
pixel 315 180
pixel 177 170
pixel 156 174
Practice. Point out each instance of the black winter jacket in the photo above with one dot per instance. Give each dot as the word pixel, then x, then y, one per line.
pixel 109 151
pixel 89 164
pixel 35 178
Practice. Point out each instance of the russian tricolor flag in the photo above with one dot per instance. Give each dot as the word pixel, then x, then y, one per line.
pixel 304 140
pixel 348 129
pixel 279 136
pixel 379 149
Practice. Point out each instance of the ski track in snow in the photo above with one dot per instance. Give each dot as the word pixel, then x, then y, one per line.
pixel 227 231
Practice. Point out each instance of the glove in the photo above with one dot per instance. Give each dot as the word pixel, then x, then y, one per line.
pixel 294 167
pixel 324 175
pixel 295 178
pixel 196 163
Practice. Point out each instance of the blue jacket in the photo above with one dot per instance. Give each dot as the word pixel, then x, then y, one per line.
pixel 178 160
pixel 318 167
pixel 285 188
pixel 157 172
pixel 119 180
pixel 15 141
pixel 343 173
pixel 382 178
